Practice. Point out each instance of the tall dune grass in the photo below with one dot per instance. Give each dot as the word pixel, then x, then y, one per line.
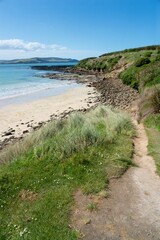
pixel 43 172
pixel 99 126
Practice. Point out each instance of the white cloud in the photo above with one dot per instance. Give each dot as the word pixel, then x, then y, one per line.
pixel 17 48
pixel 57 47
pixel 21 45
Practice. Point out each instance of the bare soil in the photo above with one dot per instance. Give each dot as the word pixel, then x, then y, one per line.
pixel 132 210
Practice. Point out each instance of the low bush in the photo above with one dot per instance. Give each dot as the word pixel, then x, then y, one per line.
pixel 142 61
pixel 85 62
pixel 150 75
pixel 112 62
pixel 129 77
pixel 157 58
pixel 147 54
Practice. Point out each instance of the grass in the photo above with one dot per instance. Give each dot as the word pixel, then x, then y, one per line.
pixel 104 64
pixel 40 174
pixel 152 125
pixel 141 72
pixel 153 122
pixel 142 75
pixel 145 77
pixel 129 77
pixel 149 102
pixel 92 206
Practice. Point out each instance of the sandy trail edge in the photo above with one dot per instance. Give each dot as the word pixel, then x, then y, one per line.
pixel 25 116
pixel 132 211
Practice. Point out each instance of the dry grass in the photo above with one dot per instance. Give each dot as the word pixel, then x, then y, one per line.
pixel 149 102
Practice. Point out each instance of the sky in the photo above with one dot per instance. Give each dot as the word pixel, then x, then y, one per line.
pixel 76 28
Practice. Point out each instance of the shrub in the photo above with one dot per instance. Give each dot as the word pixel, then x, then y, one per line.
pixel 83 63
pixel 142 61
pixel 129 78
pixel 157 58
pixel 154 47
pixel 148 54
pixel 113 61
pixel 150 75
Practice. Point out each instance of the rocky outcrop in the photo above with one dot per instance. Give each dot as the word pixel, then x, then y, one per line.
pixel 114 92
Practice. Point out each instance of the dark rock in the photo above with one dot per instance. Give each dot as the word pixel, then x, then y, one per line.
pixel 35 127
pixel 25 131
pixel 7 134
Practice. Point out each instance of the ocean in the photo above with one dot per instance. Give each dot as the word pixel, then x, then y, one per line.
pixel 19 83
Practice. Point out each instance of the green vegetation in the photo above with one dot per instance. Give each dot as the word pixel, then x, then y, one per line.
pixel 153 121
pixel 39 60
pixel 144 75
pixel 132 50
pixel 40 174
pixel 142 72
pixel 152 124
pixel 148 54
pixel 142 61
pixel 105 64
pixel 129 77
pixel 85 62
pixel 142 65
pixel 92 206
pixel 140 69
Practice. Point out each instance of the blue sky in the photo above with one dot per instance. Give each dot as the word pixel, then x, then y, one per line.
pixel 76 28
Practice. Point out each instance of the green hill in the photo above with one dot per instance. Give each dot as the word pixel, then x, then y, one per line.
pixel 138 68
pixel 38 60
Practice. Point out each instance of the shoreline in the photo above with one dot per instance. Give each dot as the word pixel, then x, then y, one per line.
pixel 37 95
pixel 18 120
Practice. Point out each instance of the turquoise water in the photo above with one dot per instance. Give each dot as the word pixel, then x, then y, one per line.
pixel 19 83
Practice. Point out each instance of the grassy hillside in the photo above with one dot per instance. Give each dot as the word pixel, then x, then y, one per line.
pixel 40 174
pixel 129 57
pixel 140 69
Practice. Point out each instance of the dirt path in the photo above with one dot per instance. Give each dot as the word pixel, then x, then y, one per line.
pixel 133 209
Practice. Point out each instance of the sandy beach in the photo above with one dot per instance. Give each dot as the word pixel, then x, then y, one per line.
pixel 17 120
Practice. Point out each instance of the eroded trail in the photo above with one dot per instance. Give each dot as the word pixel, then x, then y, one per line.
pixel 133 209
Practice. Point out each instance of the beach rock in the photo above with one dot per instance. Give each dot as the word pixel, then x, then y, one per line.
pixel 35 127
pixel 7 134
pixel 25 131
pixel 114 92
